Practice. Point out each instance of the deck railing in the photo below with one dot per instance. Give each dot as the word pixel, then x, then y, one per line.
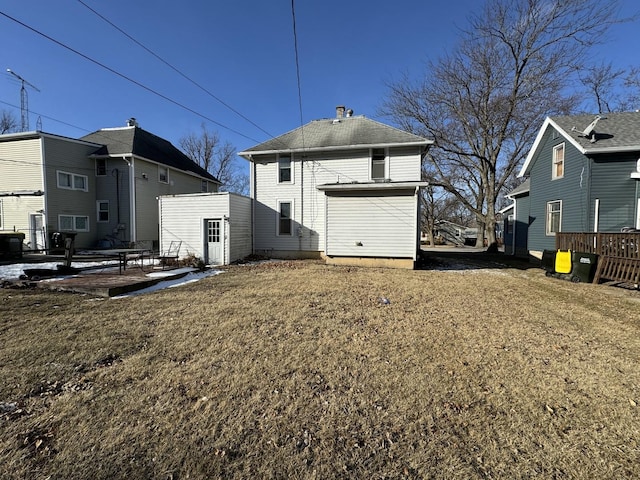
pixel 624 244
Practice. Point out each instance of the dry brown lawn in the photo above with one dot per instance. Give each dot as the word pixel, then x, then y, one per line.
pixel 297 370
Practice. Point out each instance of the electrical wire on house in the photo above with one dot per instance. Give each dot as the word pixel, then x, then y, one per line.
pixel 175 69
pixel 127 78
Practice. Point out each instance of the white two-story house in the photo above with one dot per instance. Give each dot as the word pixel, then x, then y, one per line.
pixel 345 189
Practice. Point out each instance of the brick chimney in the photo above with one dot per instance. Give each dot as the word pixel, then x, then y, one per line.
pixel 340 111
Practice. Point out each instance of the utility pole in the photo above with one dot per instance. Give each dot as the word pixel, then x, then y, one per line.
pixel 24 100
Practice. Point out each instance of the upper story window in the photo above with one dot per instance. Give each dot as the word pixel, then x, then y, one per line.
pixel 284 169
pixel 204 186
pixel 558 161
pixel 554 217
pixel 163 174
pixel 101 167
pixel 71 181
pixel 378 163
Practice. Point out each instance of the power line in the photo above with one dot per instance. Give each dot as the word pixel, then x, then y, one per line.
pixel 295 46
pixel 125 77
pixel 175 69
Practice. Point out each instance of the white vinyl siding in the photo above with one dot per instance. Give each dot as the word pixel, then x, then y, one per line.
pixel 320 168
pixel 1 224
pixel 182 218
pixel 381 226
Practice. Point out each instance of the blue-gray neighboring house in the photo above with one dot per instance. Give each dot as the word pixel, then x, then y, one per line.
pixel 516 221
pixel 584 176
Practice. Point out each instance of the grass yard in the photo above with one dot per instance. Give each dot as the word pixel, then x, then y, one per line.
pixel 297 370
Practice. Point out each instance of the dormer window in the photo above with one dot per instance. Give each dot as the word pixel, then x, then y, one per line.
pixel 378 163
pixel 558 161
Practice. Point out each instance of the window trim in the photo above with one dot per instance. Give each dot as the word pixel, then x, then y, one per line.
pixel 385 161
pixel 280 169
pixel 279 218
pixel 547 226
pixel 74 222
pixel 98 211
pixel 72 177
pixel 99 160
pixel 160 169
pixel 555 162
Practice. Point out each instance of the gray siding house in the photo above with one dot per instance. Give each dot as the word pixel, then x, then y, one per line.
pixel 104 184
pixel 345 189
pixel 584 174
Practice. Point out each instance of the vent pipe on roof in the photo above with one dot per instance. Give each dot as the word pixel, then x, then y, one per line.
pixel 132 122
pixel 340 111
pixel 349 113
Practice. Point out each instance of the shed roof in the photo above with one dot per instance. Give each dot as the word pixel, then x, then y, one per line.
pixel 335 134
pixel 135 141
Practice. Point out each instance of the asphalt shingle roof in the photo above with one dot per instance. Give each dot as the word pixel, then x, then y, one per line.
pixel 139 142
pixel 613 131
pixel 334 132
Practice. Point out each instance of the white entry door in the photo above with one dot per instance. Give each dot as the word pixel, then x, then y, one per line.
pixel 214 242
pixel 36 237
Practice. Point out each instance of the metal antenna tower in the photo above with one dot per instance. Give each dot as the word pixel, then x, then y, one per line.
pixel 24 100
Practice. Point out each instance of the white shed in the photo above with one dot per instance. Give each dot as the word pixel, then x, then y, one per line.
pixel 215 227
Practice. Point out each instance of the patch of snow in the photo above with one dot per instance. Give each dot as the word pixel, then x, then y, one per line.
pixel 189 278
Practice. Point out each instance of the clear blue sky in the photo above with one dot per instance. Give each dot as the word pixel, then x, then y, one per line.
pixel 241 51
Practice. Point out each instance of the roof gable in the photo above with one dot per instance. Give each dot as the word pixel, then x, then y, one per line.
pixel 613 133
pixel 134 140
pixel 337 133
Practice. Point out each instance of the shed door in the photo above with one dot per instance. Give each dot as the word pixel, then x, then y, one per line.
pixel 214 249
pixel 37 232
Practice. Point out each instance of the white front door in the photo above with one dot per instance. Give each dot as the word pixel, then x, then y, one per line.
pixel 36 227
pixel 214 236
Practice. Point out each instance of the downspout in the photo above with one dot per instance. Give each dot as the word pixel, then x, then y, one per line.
pixel 132 201
pixel 513 229
pixel 252 194
pixel 301 229
pixel 45 199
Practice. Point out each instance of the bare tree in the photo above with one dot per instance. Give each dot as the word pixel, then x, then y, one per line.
pixel 8 123
pixel 612 89
pixel 217 158
pixel 484 102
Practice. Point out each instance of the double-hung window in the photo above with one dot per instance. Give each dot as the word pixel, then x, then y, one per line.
pixel 558 161
pixel 78 223
pixel 554 217
pixel 71 181
pixel 378 163
pixel 102 207
pixel 285 218
pixel 284 169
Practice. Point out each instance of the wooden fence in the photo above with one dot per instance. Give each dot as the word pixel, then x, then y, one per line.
pixel 622 245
